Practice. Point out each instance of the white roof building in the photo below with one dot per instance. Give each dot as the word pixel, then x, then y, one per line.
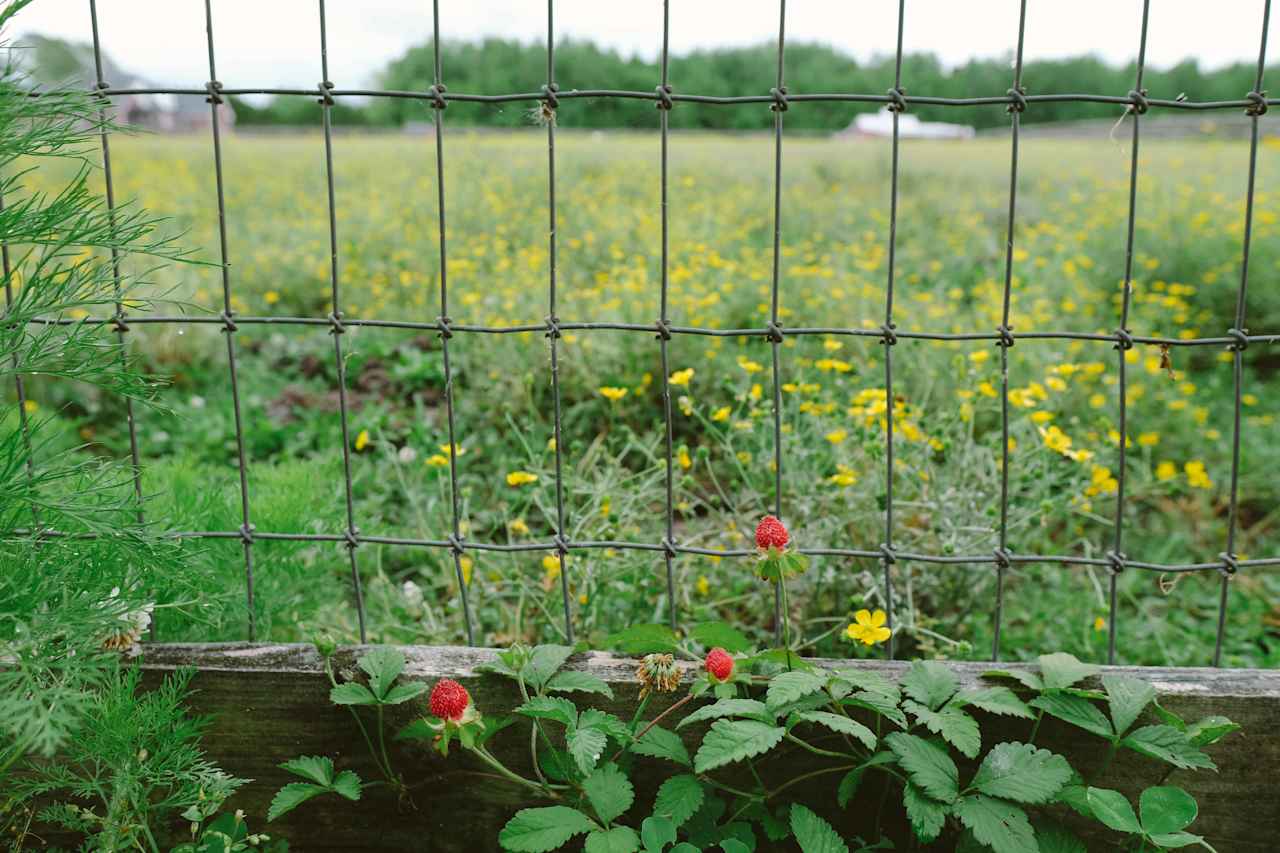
pixel 909 127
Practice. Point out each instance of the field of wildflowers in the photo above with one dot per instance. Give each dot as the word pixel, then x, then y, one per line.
pixel 1067 274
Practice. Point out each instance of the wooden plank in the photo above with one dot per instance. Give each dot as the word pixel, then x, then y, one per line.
pixel 270 703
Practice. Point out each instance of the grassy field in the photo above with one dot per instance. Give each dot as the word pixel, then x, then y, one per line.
pixel 1068 268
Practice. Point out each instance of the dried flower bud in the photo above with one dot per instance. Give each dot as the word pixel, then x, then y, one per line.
pixel 658 673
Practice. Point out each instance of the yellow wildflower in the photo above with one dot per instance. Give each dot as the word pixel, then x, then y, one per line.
pixel 703 585
pixel 836 436
pixel 683 458
pixel 721 414
pixel 1148 439
pixel 868 628
pixel 743 362
pixel 521 478
pixel 611 393
pixel 1197 477
pixel 437 460
pixel 362 440
pixel 518 527
pixel 1166 470
pixel 681 377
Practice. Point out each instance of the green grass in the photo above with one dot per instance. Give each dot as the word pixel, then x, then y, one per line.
pixel 1068 266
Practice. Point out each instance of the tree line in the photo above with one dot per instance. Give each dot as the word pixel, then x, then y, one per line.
pixel 494 66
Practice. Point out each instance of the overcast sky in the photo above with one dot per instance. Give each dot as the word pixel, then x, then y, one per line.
pixel 275 42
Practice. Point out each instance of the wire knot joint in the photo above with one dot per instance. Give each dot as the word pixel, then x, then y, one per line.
pixel 888 336
pixel 897 100
pixel 336 326
pixel 352 536
pixel 779 94
pixel 1116 562
pixel 1230 564
pixel 887 554
pixel 1124 340
pixel 1006 336
pixel 664 97
pixel 455 545
pixel 1017 100
pixel 436 91
pixel 1138 102
pixel 446 327
pixel 246 533
pixel 214 90
pixel 553 326
pixel 229 322
pixel 1240 339
pixel 1257 104
pixel 550 97
pixel 668 548
pixel 664 331
pixel 1003 558
pixel 773 331
pixel 325 88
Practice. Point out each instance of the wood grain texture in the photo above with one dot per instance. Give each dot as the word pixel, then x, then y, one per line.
pixel 270 703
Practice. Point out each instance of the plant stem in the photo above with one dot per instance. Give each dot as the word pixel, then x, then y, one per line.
pixel 508 774
pixel 786 620
pixel 1036 727
pixel 816 750
pixel 653 723
pixel 785 785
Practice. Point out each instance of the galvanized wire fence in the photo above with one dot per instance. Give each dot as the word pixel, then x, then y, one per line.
pixel 549 100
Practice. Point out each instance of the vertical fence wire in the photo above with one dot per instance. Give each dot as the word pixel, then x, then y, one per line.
pixel 19 386
pixel 1241 336
pixel 455 540
pixel 664 105
pixel 1015 109
pixel 890 339
pixel 337 328
pixel 550 105
pixel 229 326
pixel 1115 556
pixel 775 328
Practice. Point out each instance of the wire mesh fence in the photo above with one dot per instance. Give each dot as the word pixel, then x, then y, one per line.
pixel 548 99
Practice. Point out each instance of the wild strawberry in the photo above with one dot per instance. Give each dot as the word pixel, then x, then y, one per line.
pixel 719 664
pixel 771 533
pixel 449 700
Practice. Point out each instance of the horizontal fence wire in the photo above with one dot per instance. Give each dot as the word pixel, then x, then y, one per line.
pixel 548 99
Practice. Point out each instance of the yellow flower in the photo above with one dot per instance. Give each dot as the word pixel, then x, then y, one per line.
pixel 456 449
pixel 703 585
pixel 551 566
pixel 582 599
pixel 518 527
pixel 979 356
pixel 362 440
pixel 686 405
pixel 987 390
pixel 1197 477
pixel 551 444
pixel 30 406
pixel 1166 470
pixel 755 391
pixel 681 377
pixel 1101 482
pixel 1041 417
pixel 271 297
pixel 831 346
pixel 612 394
pixel 868 628
pixel 721 414
pixel 683 458
pixel 843 477
pixel 467 565
pixel 1099 624
pixel 437 460
pixel 1148 439
pixel 1055 439
pixel 743 362
pixel 836 436
pixel 521 478
pixel 1097 401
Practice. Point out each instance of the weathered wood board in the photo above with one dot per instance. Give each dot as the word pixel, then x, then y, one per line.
pixel 270 703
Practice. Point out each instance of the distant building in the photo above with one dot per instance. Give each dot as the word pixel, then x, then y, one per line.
pixel 52 63
pixel 909 127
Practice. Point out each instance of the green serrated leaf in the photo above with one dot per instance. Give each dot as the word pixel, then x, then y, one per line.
pixel 1027 679
pixel 1127 698
pixel 291 796
pixel 994 700
pixel 403 692
pixel 953 725
pixel 543 829
pixel 733 740
pixel 1000 825
pixel 927 815
pixel 662 743
pixel 1165 743
pixel 728 708
pixel 383 665
pixel 313 768
pixel 928 765
pixel 1076 796
pixel 1210 730
pixel 1113 809
pixel 733 845
pixel 1063 670
pixel 594 718
pixel 1168 717
pixel 643 639
pixel 1178 839
pixel 1166 809
pixel 679 797
pixel 841 724
pixel 586 746
pixel 609 792
pixel 352 693
pixel 813 834
pixel 656 833
pixel 347 784
pixel 930 683
pixel 849 786
pixel 722 634
pixel 574 681
pixel 1022 773
pixel 878 703
pixel 1074 710
pixel 544 662
pixel 788 687
pixel 620 839
pixel 550 708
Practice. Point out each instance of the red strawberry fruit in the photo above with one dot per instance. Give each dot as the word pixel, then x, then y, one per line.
pixel 719 664
pixel 449 700
pixel 771 533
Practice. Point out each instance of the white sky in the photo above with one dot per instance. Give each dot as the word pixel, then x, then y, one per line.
pixel 274 43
